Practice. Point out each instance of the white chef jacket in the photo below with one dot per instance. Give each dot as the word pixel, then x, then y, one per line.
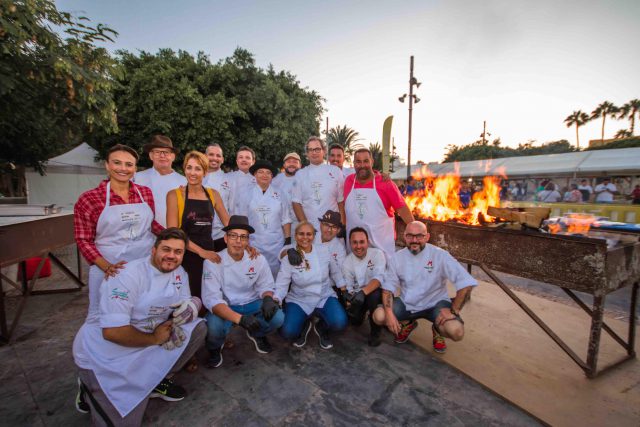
pixel 605 196
pixel 337 253
pixel 318 188
pixel 422 277
pixel 140 296
pixel 160 185
pixel 285 184
pixel 234 282
pixel 241 184
pixel 223 184
pixel 310 288
pixel 359 272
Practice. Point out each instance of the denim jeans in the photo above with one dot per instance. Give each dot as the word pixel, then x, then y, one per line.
pixel 430 314
pixel 219 327
pixel 332 317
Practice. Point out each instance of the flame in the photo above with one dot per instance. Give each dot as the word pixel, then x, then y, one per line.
pixel 574 223
pixel 440 200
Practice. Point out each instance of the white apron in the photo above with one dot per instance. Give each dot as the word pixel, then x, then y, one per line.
pixel 266 217
pixel 364 208
pixel 127 375
pixel 123 233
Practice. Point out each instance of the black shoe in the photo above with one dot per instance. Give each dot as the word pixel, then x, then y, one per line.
pixel 325 341
pixel 374 339
pixel 302 339
pixel 261 343
pixel 215 358
pixel 168 391
pixel 81 403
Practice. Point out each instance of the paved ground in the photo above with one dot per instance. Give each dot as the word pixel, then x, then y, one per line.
pixel 349 385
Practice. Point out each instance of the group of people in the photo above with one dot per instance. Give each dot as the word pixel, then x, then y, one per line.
pixel 177 261
pixel 604 192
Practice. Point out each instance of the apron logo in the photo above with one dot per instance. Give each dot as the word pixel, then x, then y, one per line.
pixel 121 295
pixel 206 275
pixel 429 266
pixel 316 186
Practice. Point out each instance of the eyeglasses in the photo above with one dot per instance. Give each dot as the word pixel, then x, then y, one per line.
pixel 236 236
pixel 161 153
pixel 314 150
pixel 331 226
pixel 264 172
pixel 414 236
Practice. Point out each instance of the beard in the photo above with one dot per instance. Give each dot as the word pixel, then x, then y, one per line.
pixel 291 170
pixel 416 250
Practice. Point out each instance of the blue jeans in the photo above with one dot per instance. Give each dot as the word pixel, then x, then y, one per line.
pixel 332 317
pixel 219 327
pixel 430 314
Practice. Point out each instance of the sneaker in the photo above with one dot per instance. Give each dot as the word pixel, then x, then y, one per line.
pixel 168 391
pixel 405 331
pixel 215 358
pixel 81 403
pixel 439 344
pixel 261 343
pixel 302 339
pixel 325 341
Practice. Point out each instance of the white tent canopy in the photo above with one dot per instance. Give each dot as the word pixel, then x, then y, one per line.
pixel 615 162
pixel 66 177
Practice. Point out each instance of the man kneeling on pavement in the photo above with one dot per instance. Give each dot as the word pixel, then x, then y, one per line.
pixel 420 270
pixel 239 290
pixel 363 271
pixel 147 330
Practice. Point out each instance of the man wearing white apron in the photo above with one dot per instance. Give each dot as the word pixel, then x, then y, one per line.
pixel 242 180
pixel 284 182
pixel 114 223
pixel 370 203
pixel 268 215
pixel 148 329
pixel 160 178
pixel 223 184
pixel 420 272
pixel 318 187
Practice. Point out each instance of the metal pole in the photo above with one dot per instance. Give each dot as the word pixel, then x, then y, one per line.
pixel 484 132
pixel 410 117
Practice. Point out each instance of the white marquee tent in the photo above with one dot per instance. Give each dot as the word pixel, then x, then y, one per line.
pixel 67 176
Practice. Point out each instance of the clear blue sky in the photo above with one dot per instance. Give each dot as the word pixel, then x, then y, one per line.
pixel 522 66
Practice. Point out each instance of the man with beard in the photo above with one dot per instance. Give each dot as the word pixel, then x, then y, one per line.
pixel 336 158
pixel 420 271
pixel 222 183
pixel 371 202
pixel 284 182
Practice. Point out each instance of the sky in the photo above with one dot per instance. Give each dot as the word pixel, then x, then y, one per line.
pixel 522 66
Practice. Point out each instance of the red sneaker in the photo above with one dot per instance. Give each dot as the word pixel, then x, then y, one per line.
pixel 439 344
pixel 405 331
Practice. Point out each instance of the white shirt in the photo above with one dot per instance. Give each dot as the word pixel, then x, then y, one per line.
pixel 422 277
pixel 285 184
pixel 241 185
pixel 337 253
pixel 359 272
pixel 310 287
pixel 606 196
pixel 160 185
pixel 318 188
pixel 235 282
pixel 549 196
pixel 586 187
pixel 223 184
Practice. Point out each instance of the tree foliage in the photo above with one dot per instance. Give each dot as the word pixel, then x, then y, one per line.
pixel 630 111
pixel 630 142
pixel 52 91
pixel 480 150
pixel 346 137
pixel 577 119
pixel 603 110
pixel 196 103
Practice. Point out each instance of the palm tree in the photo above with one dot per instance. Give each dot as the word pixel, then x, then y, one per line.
pixel 344 136
pixel 376 153
pixel 603 110
pixel 577 118
pixel 629 111
pixel 623 133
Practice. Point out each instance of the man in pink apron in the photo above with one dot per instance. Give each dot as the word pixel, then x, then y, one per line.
pixel 147 329
pixel 370 203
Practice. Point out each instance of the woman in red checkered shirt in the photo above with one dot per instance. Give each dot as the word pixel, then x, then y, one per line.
pixel 114 222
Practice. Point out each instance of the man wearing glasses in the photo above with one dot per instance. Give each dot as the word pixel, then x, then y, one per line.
pixel 239 290
pixel 420 271
pixel 317 187
pixel 160 178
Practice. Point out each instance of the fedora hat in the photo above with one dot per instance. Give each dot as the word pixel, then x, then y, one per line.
pixel 262 164
pixel 240 222
pixel 331 217
pixel 160 141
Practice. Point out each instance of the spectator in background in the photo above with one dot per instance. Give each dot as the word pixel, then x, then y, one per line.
pixel 605 191
pixel 410 187
pixel 635 195
pixel 572 195
pixel 549 194
pixel 464 194
pixel 586 190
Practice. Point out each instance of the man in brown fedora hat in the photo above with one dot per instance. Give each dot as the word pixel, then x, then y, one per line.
pixel 160 178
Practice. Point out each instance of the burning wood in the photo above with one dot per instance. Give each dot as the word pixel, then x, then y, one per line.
pixel 530 217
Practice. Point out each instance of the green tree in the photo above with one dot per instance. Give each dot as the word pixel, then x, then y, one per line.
pixel 376 153
pixel 53 92
pixel 577 119
pixel 623 133
pixel 344 136
pixel 480 150
pixel 629 111
pixel 603 110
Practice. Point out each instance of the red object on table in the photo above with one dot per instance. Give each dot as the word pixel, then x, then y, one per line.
pixel 32 264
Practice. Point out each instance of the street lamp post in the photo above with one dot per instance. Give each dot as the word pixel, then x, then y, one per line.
pixel 412 82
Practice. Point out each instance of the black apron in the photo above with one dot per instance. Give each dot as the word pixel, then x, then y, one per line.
pixel 197 219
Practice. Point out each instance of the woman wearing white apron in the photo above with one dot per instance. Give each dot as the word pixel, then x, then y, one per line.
pixel 114 222
pixel 268 215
